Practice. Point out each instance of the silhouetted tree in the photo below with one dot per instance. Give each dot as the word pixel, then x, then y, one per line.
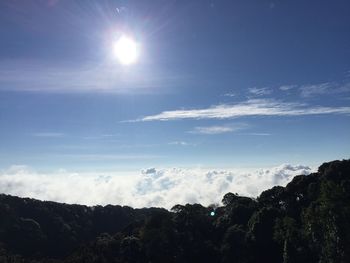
pixel 306 221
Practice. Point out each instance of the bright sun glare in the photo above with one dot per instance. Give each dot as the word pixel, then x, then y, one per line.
pixel 126 50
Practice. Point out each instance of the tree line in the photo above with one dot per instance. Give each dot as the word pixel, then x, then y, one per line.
pixel 306 221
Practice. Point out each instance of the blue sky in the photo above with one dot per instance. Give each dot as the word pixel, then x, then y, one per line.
pixel 223 84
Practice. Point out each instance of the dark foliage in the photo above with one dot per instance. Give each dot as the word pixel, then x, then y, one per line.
pixel 306 221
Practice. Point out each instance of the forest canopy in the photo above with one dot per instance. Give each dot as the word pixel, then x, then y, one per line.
pixel 306 221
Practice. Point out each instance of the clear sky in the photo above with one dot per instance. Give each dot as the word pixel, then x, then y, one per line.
pixel 224 84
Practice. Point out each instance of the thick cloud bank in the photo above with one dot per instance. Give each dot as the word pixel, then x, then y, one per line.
pixel 152 187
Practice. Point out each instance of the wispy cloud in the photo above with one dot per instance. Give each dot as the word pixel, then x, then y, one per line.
pixel 210 130
pixel 254 107
pixel 181 143
pixel 108 137
pixel 103 77
pixel 316 89
pixel 230 94
pixel 260 91
pixel 258 134
pixel 324 88
pixel 49 134
pixel 287 87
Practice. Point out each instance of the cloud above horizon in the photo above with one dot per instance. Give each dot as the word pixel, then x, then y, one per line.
pixel 151 187
pixel 252 107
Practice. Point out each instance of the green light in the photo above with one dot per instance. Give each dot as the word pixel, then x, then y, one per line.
pixel 212 213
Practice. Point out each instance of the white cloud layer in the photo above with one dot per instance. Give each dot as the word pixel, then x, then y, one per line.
pixel 152 187
pixel 253 107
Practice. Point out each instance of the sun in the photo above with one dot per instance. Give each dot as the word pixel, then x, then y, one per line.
pixel 126 50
